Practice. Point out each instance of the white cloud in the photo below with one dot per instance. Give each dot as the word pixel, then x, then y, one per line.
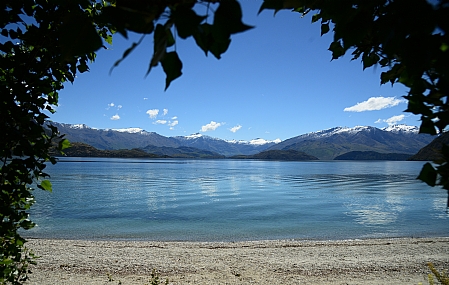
pixel 165 111
pixel 174 118
pixel 110 105
pixel 153 113
pixel 173 124
pixel 212 126
pixel 235 129
pixel 145 98
pixel 115 117
pixel 374 104
pixel 160 122
pixel 119 107
pixel 394 120
pixel 391 121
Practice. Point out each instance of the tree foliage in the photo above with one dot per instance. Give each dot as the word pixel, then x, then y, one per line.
pixel 45 43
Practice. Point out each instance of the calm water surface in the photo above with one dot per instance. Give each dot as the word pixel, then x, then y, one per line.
pixel 234 200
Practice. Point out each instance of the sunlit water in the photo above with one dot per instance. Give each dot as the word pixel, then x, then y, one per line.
pixel 234 200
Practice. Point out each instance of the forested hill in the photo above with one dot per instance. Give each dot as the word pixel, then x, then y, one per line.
pixel 290 155
pixel 85 150
pixel 432 152
pixel 372 155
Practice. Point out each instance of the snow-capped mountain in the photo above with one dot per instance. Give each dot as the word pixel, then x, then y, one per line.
pixel 327 144
pixel 225 147
pixel 256 142
pixel 127 138
pixel 131 130
pixel 335 131
pixel 402 129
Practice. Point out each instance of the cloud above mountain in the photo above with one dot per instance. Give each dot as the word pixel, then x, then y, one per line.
pixel 152 113
pixel 115 117
pixel 392 120
pixel 375 104
pixel 235 129
pixel 212 126
pixel 172 124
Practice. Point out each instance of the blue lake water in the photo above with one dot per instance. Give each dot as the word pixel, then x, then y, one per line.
pixel 235 200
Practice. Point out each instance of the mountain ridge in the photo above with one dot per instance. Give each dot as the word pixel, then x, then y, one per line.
pixel 325 144
pixel 330 143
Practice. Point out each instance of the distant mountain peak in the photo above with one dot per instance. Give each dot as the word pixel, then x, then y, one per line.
pixel 80 126
pixel 401 129
pixel 337 130
pixel 330 143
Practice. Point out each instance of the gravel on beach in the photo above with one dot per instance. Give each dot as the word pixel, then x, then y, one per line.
pixel 371 261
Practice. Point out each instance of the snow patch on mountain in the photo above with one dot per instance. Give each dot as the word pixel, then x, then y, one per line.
pixel 254 142
pixel 336 131
pixel 401 129
pixel 79 126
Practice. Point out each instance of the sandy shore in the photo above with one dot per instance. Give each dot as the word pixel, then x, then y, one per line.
pixel 374 261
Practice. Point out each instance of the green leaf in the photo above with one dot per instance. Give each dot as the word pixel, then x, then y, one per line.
pixel 82 67
pixel 125 54
pixel 203 37
pixel 370 60
pixel 63 144
pixel 46 185
pixel 207 42
pixel 186 21
pixel 219 47
pixel 336 49
pixel 228 20
pixel 384 62
pixel 428 175
pixel 172 66
pixel 324 28
pixel 277 5
pixel 124 18
pixel 78 36
pixel 427 127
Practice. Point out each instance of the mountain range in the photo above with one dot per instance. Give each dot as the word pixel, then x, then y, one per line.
pixel 330 143
pixel 110 139
pixel 324 145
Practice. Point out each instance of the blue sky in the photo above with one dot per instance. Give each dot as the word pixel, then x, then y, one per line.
pixel 275 81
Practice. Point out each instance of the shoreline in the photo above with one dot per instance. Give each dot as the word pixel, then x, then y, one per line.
pixel 364 261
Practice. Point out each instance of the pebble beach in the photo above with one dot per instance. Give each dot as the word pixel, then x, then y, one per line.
pixel 372 261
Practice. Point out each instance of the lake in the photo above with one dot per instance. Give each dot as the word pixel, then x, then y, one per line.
pixel 237 200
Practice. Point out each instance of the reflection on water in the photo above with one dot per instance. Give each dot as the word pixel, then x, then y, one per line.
pixel 237 200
